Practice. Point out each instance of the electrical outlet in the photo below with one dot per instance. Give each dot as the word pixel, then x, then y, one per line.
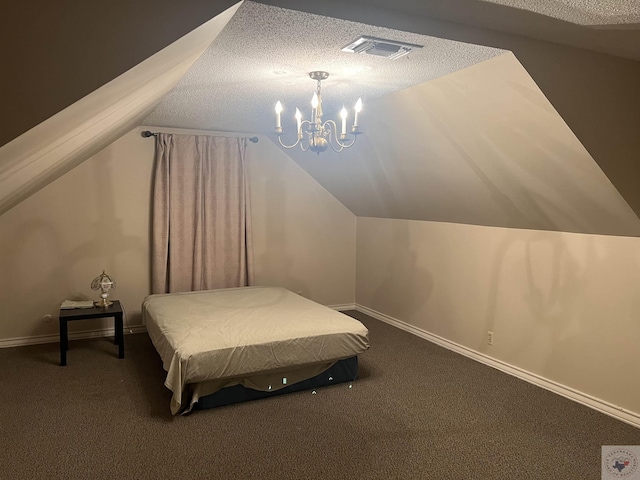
pixel 47 318
pixel 489 338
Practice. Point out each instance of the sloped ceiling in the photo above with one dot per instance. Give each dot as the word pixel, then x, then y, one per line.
pixel 55 53
pixel 458 183
pixel 479 146
pixel 454 132
pixel 64 140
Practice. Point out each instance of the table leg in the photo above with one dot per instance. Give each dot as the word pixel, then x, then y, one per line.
pixel 64 342
pixel 119 334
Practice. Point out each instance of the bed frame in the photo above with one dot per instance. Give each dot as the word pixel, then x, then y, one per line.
pixel 231 345
pixel 342 371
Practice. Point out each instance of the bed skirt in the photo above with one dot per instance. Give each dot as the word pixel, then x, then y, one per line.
pixel 342 371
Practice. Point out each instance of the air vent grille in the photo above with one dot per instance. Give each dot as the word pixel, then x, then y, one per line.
pixel 390 49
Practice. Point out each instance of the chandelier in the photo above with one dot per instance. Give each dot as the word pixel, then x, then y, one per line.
pixel 316 135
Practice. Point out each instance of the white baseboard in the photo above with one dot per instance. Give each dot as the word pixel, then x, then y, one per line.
pixel 342 308
pixel 597 404
pixel 38 339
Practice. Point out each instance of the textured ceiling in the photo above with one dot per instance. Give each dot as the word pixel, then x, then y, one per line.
pixel 583 12
pixel 265 53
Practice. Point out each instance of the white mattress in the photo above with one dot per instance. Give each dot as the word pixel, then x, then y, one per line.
pixel 236 333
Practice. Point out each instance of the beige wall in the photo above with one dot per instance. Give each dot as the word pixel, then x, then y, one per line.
pixel 97 217
pixel 303 238
pixel 55 242
pixel 563 306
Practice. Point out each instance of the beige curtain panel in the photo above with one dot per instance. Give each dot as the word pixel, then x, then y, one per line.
pixel 201 238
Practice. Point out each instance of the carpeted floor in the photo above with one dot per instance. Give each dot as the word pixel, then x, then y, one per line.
pixel 417 412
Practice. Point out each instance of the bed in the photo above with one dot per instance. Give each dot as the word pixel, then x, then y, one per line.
pixel 252 340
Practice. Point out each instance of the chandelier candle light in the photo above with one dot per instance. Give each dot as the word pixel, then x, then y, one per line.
pixel 316 135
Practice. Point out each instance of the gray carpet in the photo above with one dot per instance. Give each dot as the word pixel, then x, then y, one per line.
pixel 417 412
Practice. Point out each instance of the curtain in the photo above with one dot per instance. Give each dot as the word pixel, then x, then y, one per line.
pixel 201 218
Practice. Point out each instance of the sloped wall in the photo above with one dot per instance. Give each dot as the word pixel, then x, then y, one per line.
pixel 562 306
pixel 97 217
pixel 68 138
pixel 55 53
pixel 594 93
pixel 479 146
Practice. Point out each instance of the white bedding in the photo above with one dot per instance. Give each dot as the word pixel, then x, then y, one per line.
pixel 236 335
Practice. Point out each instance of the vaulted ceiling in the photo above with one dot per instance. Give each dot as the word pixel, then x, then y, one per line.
pixel 505 117
pixel 235 84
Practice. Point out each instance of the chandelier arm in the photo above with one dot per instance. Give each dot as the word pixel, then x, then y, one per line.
pixel 344 144
pixel 341 144
pixel 331 127
pixel 288 146
pixel 299 136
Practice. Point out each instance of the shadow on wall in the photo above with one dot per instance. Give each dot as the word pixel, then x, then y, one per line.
pixel 572 317
pixel 109 236
pixel 35 272
pixel 275 263
pixel 598 315
pixel 549 294
pixel 405 280
pixel 44 262
pixel 527 207
pixel 380 186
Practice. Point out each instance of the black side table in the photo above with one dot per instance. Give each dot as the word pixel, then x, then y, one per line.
pixel 115 311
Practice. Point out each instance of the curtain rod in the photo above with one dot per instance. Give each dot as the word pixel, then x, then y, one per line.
pixel 147 134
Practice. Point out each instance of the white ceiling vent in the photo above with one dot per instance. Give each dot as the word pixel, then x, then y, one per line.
pixel 390 49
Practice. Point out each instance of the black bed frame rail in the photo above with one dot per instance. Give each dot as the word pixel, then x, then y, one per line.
pixel 342 371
